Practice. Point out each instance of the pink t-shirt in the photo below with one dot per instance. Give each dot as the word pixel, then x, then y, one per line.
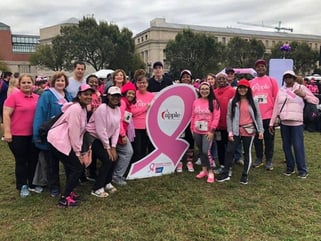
pixel 265 90
pixel 245 117
pixel 139 109
pixel 24 108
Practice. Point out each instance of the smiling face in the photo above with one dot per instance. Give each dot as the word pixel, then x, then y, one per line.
pixel 119 78
pixel 242 90
pixel 26 84
pixel 204 91
pixel 60 83
pixel 186 79
pixel 222 81
pixel 260 70
pixel 211 80
pixel 142 84
pixel 130 95
pixel 85 97
pixel 93 82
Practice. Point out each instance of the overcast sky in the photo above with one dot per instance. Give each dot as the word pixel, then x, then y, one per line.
pixel 28 16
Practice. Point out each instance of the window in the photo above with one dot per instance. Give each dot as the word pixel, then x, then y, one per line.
pixel 24 43
pixel 24 68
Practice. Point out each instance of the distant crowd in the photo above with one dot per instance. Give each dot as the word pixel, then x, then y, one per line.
pixel 96 127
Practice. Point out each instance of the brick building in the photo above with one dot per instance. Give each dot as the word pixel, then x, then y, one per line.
pixel 15 50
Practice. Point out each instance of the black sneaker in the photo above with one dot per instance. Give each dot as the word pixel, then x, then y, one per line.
pixel 66 202
pixel 244 179
pixel 288 173
pixel 223 178
pixel 257 163
pixel 303 175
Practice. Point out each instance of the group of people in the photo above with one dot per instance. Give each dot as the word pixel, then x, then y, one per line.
pixel 109 124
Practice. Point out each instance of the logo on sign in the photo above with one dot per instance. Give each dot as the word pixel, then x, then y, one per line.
pixel 168 115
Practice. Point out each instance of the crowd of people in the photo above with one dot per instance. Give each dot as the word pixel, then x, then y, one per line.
pixel 106 122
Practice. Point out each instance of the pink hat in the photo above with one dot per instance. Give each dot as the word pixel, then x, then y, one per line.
pixel 85 87
pixel 128 86
pixel 114 90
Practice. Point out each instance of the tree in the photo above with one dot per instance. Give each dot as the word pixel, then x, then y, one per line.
pixel 101 45
pixel 303 56
pixel 194 51
pixel 242 53
pixel 46 56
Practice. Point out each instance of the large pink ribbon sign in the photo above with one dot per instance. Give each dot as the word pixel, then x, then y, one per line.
pixel 166 120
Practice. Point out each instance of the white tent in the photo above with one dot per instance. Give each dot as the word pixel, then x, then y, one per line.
pixel 103 73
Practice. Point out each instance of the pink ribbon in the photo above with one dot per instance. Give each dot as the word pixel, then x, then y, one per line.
pixel 169 145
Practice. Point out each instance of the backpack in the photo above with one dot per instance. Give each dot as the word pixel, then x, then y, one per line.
pixel 310 112
pixel 46 126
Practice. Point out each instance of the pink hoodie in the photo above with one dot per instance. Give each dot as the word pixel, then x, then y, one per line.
pixel 67 133
pixel 105 124
pixel 265 90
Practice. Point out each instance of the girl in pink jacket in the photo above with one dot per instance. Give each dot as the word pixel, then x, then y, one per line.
pixel 66 139
pixel 205 118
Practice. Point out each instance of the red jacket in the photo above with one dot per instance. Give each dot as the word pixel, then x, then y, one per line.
pixel 223 95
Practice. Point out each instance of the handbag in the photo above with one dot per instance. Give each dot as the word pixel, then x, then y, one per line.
pixel 278 119
pixel 46 126
pixel 249 128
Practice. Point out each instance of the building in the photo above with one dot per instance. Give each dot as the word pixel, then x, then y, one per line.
pixel 151 43
pixel 15 50
pixel 47 34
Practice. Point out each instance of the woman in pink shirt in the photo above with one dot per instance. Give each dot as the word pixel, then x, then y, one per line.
pixel 244 121
pixel 18 113
pixel 141 144
pixel 205 118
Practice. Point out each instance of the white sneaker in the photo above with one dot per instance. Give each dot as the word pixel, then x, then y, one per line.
pixel 198 162
pixel 110 188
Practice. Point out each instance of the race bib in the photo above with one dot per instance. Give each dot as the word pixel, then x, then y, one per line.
pixel 261 99
pixel 201 125
pixel 128 116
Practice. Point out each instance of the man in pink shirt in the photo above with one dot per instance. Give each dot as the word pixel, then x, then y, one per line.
pixel 264 90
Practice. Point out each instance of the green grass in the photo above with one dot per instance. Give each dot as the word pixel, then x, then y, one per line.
pixel 174 207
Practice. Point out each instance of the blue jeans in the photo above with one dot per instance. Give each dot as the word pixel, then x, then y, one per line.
pixel 125 153
pixel 292 136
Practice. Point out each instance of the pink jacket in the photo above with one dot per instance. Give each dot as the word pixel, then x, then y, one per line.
pixel 292 112
pixel 67 133
pixel 264 91
pixel 105 124
pixel 201 114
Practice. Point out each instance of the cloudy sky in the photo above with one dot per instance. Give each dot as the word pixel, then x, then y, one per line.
pixel 28 16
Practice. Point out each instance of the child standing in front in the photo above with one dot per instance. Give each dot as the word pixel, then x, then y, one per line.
pixel 205 118
pixel 243 123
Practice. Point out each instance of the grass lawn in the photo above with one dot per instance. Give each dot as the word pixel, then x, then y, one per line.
pixel 175 207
